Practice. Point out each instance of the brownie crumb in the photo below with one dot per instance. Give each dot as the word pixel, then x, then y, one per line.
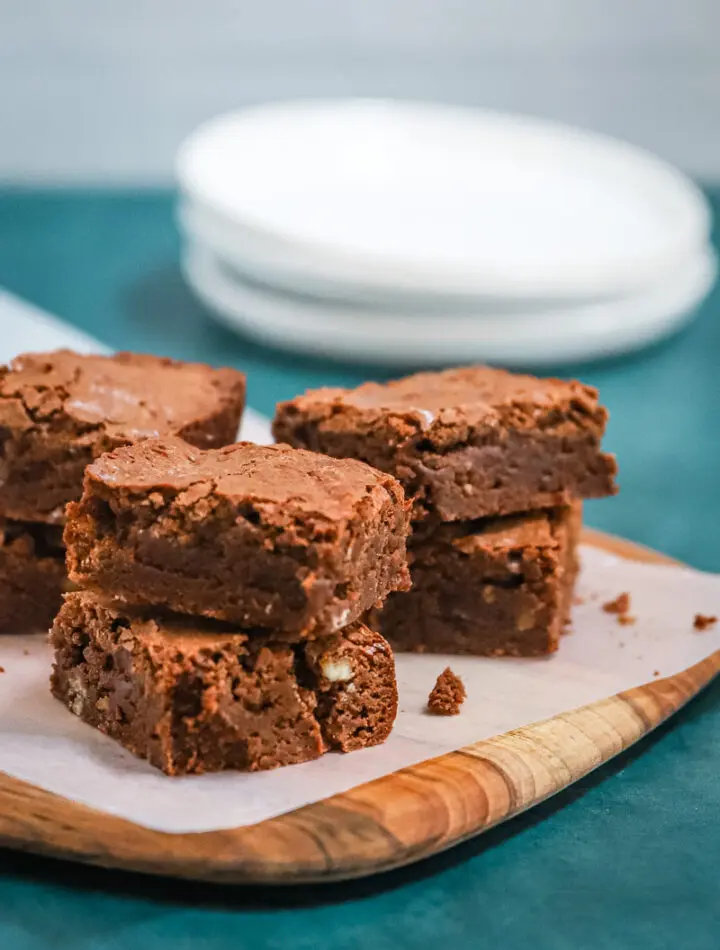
pixel 703 621
pixel 2 669
pixel 656 672
pixel 621 605
pixel 448 694
pixel 625 620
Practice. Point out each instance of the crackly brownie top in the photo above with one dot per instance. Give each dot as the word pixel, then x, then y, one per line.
pixel 276 476
pixel 459 399
pixel 129 395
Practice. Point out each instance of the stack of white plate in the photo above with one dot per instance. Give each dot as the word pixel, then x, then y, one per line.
pixel 409 233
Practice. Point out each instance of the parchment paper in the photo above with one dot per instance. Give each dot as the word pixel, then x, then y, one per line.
pixel 41 742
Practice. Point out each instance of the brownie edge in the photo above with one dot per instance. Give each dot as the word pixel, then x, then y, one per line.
pixel 199 696
pixel 465 443
pixel 288 541
pixel 32 576
pixel 497 587
pixel 60 410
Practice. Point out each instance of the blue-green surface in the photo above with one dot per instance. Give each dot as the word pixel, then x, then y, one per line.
pixel 627 858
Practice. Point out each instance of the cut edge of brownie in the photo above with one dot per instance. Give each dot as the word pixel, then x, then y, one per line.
pixel 464 460
pixel 197 697
pixel 32 571
pixel 244 561
pixel 512 599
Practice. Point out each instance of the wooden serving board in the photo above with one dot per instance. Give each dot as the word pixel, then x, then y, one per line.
pixel 385 824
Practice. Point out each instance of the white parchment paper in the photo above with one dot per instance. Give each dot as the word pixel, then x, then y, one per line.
pixel 41 742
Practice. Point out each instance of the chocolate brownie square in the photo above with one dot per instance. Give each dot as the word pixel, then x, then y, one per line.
pixel 199 696
pixel 494 587
pixel 61 410
pixel 464 443
pixel 32 576
pixel 263 536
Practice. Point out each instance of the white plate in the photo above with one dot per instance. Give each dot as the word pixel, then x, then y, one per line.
pixel 391 197
pixel 563 335
pixel 204 229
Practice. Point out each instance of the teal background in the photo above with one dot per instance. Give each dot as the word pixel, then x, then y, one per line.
pixel 627 858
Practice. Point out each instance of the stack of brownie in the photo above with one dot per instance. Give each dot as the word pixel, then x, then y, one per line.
pixel 217 624
pixel 58 412
pixel 496 465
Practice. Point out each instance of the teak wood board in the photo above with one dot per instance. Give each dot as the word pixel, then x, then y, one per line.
pixel 395 820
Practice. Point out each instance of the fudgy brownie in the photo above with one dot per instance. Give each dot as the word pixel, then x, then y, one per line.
pixel 447 695
pixel 465 443
pixel 59 411
pixel 491 588
pixel 32 576
pixel 199 696
pixel 264 536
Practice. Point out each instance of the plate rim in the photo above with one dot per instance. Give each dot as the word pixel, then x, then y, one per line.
pixel 249 310
pixel 382 274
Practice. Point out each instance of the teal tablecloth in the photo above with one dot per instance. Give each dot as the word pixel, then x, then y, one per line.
pixel 627 858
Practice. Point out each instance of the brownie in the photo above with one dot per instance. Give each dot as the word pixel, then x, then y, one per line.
pixel 61 410
pixel 493 587
pixel 263 536
pixel 32 576
pixel 201 696
pixel 465 443
pixel 447 695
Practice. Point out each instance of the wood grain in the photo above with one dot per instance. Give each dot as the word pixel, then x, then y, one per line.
pixel 392 821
